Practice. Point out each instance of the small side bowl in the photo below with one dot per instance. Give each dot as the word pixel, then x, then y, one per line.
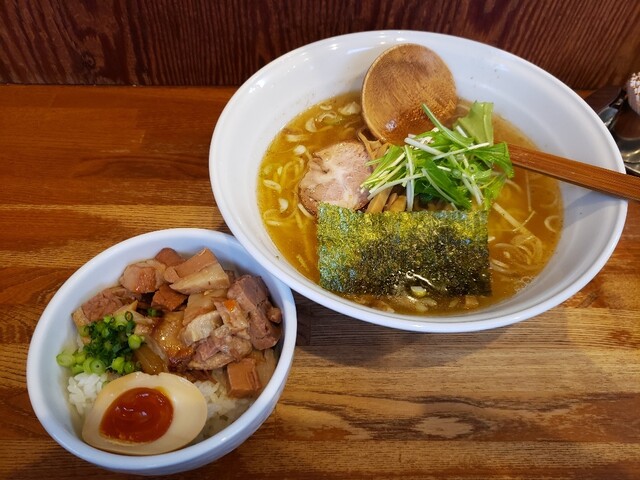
pixel 46 381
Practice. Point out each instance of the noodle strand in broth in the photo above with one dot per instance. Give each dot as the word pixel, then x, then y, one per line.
pixel 524 223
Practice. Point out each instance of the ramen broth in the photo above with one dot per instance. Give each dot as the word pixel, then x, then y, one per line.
pixel 524 225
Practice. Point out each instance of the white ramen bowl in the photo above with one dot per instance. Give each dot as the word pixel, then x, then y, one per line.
pixel 46 380
pixel 545 109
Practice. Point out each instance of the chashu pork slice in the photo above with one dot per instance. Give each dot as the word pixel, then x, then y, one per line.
pixel 334 176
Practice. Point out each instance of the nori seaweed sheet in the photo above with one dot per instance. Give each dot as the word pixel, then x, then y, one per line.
pixel 446 252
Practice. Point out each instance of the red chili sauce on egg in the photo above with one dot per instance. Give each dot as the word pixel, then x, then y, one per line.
pixel 138 415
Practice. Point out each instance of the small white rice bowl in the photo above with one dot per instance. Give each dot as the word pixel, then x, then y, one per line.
pixel 54 397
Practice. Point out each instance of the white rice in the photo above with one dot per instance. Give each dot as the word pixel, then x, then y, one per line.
pixel 222 410
pixel 83 390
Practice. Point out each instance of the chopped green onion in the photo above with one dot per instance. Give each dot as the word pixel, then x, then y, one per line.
pixel 117 364
pixel 65 359
pixel 134 341
pixel 79 357
pixel 129 367
pixel 120 321
pixel 97 366
pixel 87 365
pixel 111 346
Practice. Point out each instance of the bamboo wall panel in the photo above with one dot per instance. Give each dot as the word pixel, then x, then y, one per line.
pixel 585 43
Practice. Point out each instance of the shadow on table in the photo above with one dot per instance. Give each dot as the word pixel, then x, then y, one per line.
pixel 348 341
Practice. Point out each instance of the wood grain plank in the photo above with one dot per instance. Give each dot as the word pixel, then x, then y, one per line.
pixel 586 44
pixel 553 397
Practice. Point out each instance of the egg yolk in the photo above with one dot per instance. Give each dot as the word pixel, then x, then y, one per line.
pixel 138 415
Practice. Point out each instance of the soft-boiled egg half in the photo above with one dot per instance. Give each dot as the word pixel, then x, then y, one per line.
pixel 141 414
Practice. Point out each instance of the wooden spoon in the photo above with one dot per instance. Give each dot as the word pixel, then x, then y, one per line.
pixel 405 76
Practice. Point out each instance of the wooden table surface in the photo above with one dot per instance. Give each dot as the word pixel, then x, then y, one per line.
pixel 554 397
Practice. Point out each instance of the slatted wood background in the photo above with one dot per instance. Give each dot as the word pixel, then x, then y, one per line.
pixel 585 43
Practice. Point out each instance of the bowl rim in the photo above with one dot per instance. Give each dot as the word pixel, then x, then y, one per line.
pixel 463 323
pixel 171 462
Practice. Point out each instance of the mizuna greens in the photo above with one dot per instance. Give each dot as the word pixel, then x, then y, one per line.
pixel 461 166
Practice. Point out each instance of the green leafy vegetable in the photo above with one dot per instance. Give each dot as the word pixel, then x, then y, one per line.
pixel 461 166
pixel 477 123
pixel 110 347
pixel 443 252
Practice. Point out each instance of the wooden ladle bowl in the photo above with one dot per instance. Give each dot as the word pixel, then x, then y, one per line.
pixel 398 82
pixel 407 75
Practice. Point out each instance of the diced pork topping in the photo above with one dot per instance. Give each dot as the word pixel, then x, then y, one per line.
pixel 157 350
pixel 210 318
pixel 265 363
pixel 199 273
pixel 143 277
pixel 167 299
pixel 334 176
pixel 201 327
pixel 209 278
pixel 219 349
pixel 243 378
pixel 198 304
pixel 104 303
pixel 197 262
pixel 167 336
pixel 248 323
pixel 233 317
pixel 251 294
pixel 169 257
